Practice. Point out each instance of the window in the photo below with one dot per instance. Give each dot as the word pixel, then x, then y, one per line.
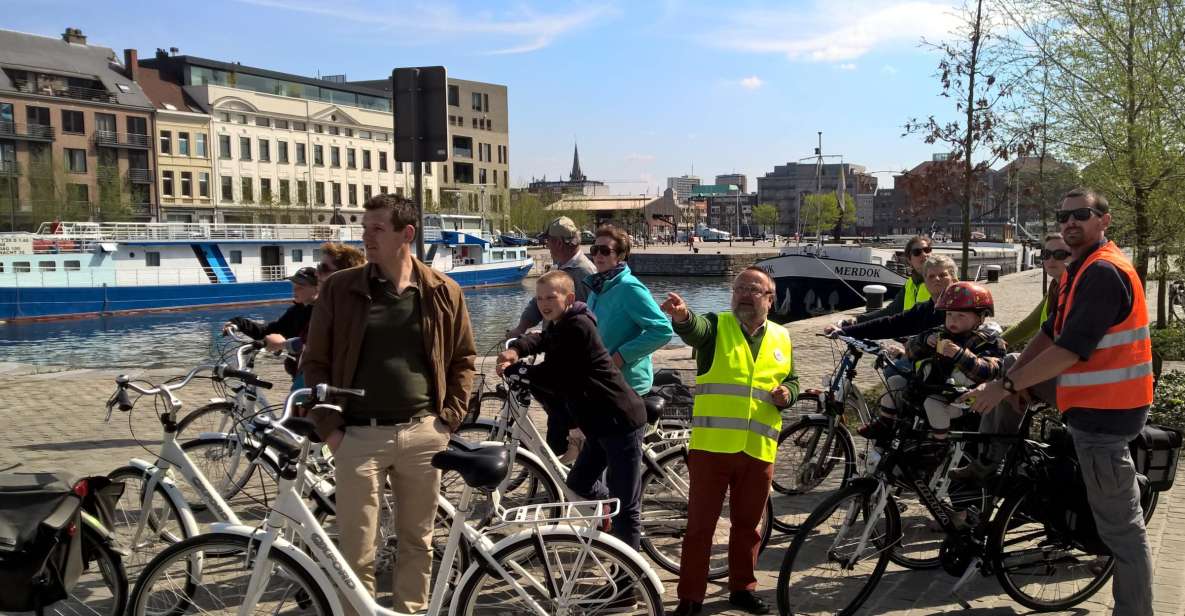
pixel 365 134
pixel 318 128
pixel 366 159
pixel 319 155
pixel 241 118
pixel 485 102
pixel 300 154
pixel 348 131
pixel 282 151
pixel 224 146
pixel 282 124
pixel 427 168
pixel 477 101
pixel 166 142
pixel 333 130
pixel 299 126
pixel 73 121
pixel 166 183
pixel 320 193
pixel 297 255
pixel 380 136
pixel 228 191
pixel 337 193
pixel 76 160
pixel 265 190
pixel 353 190
pixel 204 184
pixel 47 266
pixel 78 193
pixel 37 115
pixel 474 122
pixel 186 183
pixel 199 145
pixel 335 156
pixel 489 125
pixel 302 191
pixel 236 256
pixel 225 116
pixel 398 166
pixel 152 259
pixel 265 150
pixel 454 96
pixel 262 121
pixel 285 192
pixel 351 158
pixel 71 266
pixel 481 176
pixel 382 161
pixel 244 148
pixel 21 267
pixel 386 191
pixel 183 144
pixel 366 193
pixel 248 188
pixel 481 152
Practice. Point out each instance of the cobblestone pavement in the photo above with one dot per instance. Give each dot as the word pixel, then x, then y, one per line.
pixel 54 420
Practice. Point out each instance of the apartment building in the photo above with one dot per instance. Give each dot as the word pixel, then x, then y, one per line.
pixel 75 133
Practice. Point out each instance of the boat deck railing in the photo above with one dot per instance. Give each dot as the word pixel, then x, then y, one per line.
pixel 49 274
pixel 139 231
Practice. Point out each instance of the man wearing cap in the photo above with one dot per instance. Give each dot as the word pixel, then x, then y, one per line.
pixel 292 325
pixel 563 242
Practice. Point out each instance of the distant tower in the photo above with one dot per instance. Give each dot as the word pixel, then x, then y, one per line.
pixel 576 175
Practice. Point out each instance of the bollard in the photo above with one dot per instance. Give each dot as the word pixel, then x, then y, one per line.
pixel 875 294
pixel 993 273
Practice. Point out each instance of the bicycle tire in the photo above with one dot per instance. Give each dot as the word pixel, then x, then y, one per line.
pixel 197 418
pixel 671 514
pixel 799 484
pixel 793 594
pixel 164 521
pixel 807 403
pixel 612 562
pixel 252 488
pixel 485 404
pixel 221 553
pixel 102 588
pixel 1011 512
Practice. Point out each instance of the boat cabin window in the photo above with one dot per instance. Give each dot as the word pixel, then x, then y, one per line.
pixel 496 255
pixel 1 268
pixel 152 259
pixel 236 256
pixel 47 266
pixel 316 255
pixel 73 266
pixel 21 267
pixel 297 255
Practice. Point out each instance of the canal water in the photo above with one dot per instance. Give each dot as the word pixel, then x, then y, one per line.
pixel 187 338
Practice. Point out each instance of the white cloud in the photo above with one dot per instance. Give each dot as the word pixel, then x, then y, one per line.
pixel 752 82
pixel 835 30
pixel 515 31
pixel 888 70
pixel 635 157
pixel 847 67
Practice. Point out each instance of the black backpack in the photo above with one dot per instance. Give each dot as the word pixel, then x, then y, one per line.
pixel 40 540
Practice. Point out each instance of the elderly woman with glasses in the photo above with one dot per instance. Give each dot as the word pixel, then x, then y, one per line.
pixel 917 250
pixel 1055 255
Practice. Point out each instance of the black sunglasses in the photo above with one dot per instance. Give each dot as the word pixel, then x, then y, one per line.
pixel 598 249
pixel 917 252
pixel 1080 214
pixel 1061 254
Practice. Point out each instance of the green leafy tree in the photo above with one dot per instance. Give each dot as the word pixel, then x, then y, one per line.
pixel 821 212
pixel 766 216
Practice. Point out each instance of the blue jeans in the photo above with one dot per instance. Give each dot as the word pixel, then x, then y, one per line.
pixel 618 458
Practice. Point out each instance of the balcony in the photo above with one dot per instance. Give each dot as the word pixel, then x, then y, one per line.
pixel 64 91
pixel 28 132
pixel 9 168
pixel 140 176
pixel 112 139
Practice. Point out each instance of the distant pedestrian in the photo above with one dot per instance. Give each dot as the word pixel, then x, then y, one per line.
pixel 1096 347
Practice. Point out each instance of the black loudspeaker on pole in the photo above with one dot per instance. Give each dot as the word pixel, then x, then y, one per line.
pixel 419 99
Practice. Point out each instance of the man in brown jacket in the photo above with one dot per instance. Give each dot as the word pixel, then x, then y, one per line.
pixel 399 330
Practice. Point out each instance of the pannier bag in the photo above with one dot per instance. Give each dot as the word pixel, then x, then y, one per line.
pixel 1155 453
pixel 40 540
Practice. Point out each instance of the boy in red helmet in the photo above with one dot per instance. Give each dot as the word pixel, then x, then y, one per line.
pixel 963 353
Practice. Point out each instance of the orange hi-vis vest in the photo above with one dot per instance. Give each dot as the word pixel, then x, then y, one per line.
pixel 1118 374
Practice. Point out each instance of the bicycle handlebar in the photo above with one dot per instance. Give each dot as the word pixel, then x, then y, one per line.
pixel 222 371
pixel 865 346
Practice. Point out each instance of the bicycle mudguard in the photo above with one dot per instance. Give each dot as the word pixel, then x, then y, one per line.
pixel 170 487
pixel 309 564
pixel 812 418
pixel 563 529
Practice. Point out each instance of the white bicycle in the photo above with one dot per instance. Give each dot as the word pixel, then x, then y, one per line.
pixel 558 563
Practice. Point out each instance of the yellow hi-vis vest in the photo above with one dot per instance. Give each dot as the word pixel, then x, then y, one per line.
pixel 914 293
pixel 734 409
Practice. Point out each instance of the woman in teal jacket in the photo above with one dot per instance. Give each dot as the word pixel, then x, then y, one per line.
pixel 628 319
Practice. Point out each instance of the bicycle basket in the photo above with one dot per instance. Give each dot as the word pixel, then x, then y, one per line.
pixel 1155 453
pixel 40 539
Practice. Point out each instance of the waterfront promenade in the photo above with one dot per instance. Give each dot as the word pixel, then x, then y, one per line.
pixel 54 420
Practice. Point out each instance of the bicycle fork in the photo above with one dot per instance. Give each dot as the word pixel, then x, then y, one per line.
pixel 881 495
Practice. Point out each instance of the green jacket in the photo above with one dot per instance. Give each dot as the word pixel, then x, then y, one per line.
pixel 1018 335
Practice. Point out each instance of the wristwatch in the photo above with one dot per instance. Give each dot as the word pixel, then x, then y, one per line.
pixel 1007 384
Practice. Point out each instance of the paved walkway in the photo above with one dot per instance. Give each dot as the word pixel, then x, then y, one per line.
pixel 55 421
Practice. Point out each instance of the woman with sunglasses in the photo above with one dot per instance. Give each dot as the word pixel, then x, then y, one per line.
pixel 1055 255
pixel 917 250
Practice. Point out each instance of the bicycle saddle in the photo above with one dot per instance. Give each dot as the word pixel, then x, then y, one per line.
pixel 481 467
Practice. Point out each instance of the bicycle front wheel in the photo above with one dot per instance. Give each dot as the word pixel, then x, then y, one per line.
pixel 808 469
pixel 565 574
pixel 208 574
pixel 163 525
pixel 839 554
pixel 1040 571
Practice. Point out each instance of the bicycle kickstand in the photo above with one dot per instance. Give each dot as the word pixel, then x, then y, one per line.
pixel 972 567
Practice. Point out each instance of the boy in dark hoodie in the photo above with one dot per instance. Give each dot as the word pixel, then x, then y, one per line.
pixel 578 375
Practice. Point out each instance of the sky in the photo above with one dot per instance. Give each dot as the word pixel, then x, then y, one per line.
pixel 648 89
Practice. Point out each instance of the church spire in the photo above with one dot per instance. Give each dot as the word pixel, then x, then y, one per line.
pixel 576 176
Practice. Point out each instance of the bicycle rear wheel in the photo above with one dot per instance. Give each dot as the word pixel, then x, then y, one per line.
pixel 829 569
pixel 102 589
pixel 804 474
pixel 164 525
pixel 1040 571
